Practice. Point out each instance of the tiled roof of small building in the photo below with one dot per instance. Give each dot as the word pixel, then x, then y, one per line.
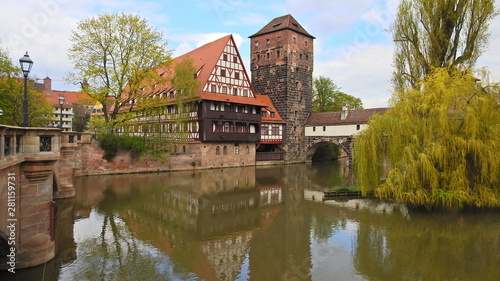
pixel 359 116
pixel 280 23
pixel 270 108
pixel 70 98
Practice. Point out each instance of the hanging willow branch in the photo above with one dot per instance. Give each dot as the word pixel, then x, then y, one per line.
pixel 438 146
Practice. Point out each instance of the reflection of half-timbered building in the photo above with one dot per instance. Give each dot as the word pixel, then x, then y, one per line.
pixel 225 123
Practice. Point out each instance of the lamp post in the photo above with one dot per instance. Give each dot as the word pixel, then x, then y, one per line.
pixel 1 113
pixel 26 64
pixel 61 102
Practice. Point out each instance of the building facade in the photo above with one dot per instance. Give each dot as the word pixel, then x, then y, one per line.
pixel 221 123
pixel 282 66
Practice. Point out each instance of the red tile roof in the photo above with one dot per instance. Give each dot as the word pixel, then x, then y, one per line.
pixel 359 116
pixel 204 59
pixel 70 98
pixel 280 23
pixel 269 107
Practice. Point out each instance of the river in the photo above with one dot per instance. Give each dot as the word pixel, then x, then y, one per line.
pixel 258 223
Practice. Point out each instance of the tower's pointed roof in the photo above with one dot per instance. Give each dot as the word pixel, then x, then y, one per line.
pixel 280 23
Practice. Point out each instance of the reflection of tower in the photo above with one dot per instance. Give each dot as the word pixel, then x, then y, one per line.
pixel 281 251
pixel 282 66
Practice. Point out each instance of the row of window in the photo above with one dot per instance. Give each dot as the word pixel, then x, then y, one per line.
pixel 278 55
pixel 224 90
pixel 219 106
pixel 358 127
pixel 236 150
pixel 278 39
pixel 270 130
pixel 230 127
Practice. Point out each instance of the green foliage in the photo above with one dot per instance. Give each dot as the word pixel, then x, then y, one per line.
pixel 115 53
pixel 436 147
pixel 111 144
pixel 326 152
pixel 328 97
pixel 438 33
pixel 12 93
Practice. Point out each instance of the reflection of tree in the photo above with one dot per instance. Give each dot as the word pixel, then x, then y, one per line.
pixel 439 248
pixel 331 174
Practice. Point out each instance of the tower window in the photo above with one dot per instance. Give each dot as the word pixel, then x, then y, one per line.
pixel 268 41
pixel 279 38
pixel 256 44
pixel 305 43
pixel 294 39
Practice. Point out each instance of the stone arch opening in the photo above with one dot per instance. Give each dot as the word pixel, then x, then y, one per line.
pixel 323 151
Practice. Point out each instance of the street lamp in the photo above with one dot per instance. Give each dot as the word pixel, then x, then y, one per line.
pixel 61 102
pixel 1 113
pixel 26 64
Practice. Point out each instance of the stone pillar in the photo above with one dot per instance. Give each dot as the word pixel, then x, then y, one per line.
pixel 35 223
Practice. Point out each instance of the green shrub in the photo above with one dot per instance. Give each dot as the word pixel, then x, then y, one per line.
pixel 111 144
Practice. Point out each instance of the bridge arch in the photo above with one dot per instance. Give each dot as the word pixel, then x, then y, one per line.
pixel 313 143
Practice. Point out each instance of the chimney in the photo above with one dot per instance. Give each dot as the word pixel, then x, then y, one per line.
pixel 345 111
pixel 47 82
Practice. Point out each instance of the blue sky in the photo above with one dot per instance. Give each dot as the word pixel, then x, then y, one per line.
pixel 352 46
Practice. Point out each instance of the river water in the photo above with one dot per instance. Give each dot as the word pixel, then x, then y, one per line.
pixel 264 223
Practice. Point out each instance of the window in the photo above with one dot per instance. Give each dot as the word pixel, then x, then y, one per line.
pixel 223 72
pixel 224 90
pixel 294 39
pixel 183 149
pixel 275 130
pixel 224 57
pixel 305 43
pixel 263 113
pixel 247 149
pixel 358 127
pixel 235 59
pixel 256 44
pixel 45 143
pixel 279 38
pixel 236 75
pixel 213 88
pixel 217 150
pixel 245 93
pixel 264 130
pixel 314 129
pixel 324 128
pixel 236 149
pixel 224 150
pixel 272 114
pixel 235 91
pixel 268 41
pixel 7 145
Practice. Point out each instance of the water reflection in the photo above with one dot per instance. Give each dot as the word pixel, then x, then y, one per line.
pixel 258 224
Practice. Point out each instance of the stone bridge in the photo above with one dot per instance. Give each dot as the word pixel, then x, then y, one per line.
pixel 36 166
pixel 346 144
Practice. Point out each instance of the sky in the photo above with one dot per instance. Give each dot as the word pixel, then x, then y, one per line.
pixel 353 46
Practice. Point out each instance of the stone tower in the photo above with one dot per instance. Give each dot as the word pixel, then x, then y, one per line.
pixel 282 66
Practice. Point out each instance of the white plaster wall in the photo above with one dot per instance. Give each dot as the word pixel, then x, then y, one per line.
pixel 334 131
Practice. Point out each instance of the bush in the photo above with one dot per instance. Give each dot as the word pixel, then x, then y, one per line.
pixel 111 144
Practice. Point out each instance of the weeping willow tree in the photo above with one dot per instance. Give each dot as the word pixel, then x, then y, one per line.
pixel 438 146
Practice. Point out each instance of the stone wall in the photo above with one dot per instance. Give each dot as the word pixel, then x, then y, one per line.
pixel 187 157
pixel 282 69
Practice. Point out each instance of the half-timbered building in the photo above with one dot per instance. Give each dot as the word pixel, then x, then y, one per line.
pixel 222 124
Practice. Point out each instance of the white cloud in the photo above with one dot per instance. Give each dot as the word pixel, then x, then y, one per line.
pixel 364 74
